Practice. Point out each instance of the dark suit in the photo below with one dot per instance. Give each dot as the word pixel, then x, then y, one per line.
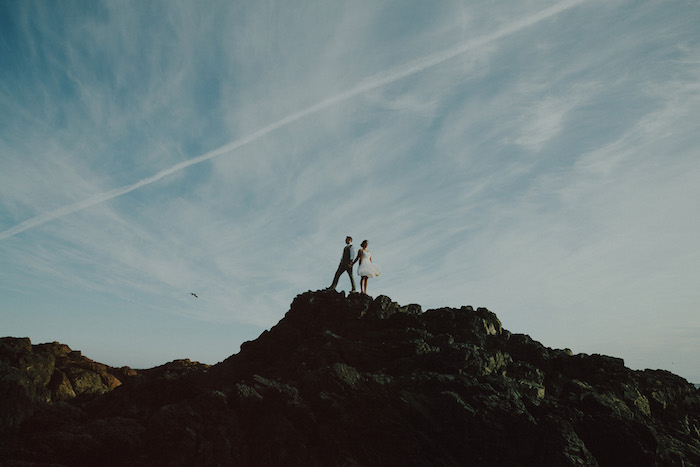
pixel 345 266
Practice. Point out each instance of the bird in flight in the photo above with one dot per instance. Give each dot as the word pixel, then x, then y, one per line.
pixel 194 294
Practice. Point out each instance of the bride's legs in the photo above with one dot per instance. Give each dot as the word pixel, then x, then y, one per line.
pixel 363 284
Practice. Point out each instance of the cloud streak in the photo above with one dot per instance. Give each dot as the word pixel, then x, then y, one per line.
pixel 372 83
pixel 545 172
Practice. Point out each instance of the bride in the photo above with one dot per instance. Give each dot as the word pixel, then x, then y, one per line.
pixel 367 268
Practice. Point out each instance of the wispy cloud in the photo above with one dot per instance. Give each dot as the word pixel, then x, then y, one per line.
pixel 536 158
pixel 372 83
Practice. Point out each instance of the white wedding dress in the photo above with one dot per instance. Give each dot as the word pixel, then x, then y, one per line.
pixel 367 267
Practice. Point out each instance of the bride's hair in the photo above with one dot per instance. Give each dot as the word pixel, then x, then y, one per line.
pixel 363 244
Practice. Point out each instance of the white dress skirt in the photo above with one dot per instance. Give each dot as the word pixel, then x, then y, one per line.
pixel 367 267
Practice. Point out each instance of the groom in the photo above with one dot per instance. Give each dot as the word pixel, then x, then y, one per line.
pixel 346 262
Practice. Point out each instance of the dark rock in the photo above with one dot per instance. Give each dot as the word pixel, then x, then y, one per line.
pixel 350 381
pixel 33 375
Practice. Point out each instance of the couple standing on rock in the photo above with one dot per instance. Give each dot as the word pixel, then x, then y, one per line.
pixel 365 270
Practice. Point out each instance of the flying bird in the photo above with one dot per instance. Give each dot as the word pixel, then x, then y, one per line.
pixel 194 295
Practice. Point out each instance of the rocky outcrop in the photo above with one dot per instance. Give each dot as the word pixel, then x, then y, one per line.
pixel 348 381
pixel 32 375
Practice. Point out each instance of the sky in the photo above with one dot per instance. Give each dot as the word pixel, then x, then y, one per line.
pixel 539 158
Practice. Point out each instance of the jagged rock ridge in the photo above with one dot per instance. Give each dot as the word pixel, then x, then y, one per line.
pixel 35 374
pixel 356 381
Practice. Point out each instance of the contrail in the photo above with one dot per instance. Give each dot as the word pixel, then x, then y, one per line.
pixel 374 82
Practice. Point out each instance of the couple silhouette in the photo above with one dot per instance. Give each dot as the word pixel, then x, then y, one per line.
pixel 365 270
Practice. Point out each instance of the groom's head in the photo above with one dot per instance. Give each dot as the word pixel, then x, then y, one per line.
pixel 348 240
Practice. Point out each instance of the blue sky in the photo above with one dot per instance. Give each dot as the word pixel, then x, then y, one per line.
pixel 538 158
